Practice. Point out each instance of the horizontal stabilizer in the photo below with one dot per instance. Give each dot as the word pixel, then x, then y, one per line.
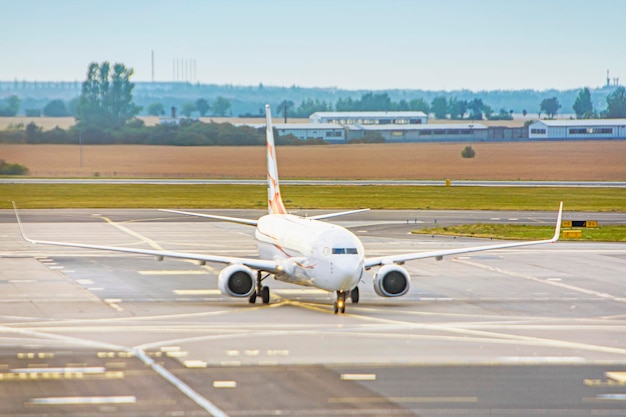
pixel 248 222
pixel 331 215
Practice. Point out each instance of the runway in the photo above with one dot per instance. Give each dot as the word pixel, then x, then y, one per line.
pixel 528 331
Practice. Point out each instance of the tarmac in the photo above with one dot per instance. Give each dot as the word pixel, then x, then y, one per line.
pixel 537 331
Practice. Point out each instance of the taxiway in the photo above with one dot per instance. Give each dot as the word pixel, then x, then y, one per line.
pixel 527 331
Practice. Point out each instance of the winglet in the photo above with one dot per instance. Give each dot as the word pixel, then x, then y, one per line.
pixel 557 231
pixel 19 224
pixel 275 201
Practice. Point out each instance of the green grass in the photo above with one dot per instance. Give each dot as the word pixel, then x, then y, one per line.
pixel 312 197
pixel 525 232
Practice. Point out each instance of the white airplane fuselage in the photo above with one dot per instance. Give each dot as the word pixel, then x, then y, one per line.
pixel 312 252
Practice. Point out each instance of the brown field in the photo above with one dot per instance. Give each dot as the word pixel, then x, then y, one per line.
pixel 49 123
pixel 591 161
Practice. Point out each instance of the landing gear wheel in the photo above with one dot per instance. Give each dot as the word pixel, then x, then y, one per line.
pixel 336 307
pixel 265 295
pixel 354 295
pixel 261 291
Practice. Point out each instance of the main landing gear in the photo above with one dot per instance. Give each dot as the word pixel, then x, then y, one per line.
pixel 261 290
pixel 340 304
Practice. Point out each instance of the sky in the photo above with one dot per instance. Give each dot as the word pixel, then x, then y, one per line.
pixel 350 44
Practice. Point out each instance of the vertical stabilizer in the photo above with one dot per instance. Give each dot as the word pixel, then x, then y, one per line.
pixel 275 202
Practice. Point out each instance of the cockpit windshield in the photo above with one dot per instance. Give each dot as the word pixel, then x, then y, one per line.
pixel 345 251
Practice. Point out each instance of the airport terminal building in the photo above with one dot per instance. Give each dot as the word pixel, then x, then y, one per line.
pixel 370 118
pixel 401 127
pixel 587 129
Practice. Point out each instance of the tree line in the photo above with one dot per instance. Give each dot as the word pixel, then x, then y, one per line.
pixel 440 107
pixel 105 106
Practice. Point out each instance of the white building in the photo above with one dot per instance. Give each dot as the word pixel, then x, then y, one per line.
pixel 329 132
pixel 453 132
pixel 578 129
pixel 370 117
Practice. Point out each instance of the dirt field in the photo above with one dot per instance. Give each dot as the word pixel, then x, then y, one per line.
pixel 597 161
pixel 49 123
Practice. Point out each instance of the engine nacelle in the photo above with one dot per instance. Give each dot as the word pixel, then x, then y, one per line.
pixel 391 281
pixel 236 281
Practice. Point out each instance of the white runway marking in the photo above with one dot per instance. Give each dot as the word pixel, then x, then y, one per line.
pixel 224 384
pixel 358 377
pixel 174 272
pixel 197 292
pixel 83 400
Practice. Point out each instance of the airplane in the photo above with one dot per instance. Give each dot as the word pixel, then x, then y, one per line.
pixel 305 251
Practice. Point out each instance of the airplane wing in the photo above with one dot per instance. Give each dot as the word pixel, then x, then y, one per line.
pixel 258 264
pixel 248 222
pixel 398 259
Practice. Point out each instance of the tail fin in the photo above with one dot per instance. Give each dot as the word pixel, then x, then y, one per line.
pixel 275 202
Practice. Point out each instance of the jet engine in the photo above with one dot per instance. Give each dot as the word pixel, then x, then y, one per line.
pixel 391 281
pixel 236 281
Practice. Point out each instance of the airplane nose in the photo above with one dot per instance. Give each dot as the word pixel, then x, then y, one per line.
pixel 348 272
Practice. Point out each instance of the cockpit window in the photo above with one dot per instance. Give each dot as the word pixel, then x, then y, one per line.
pixel 344 251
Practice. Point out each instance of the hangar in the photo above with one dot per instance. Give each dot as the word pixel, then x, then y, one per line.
pixel 578 129
pixel 329 132
pixel 474 132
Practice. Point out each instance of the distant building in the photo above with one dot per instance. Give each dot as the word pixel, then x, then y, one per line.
pixel 474 132
pixel 328 132
pixel 578 129
pixel 371 118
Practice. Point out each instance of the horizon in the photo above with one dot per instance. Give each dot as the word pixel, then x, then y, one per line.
pixel 201 84
pixel 348 45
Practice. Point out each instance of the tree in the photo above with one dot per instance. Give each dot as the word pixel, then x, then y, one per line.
pixel 55 108
pixel 106 100
pixel 12 169
pixel 476 107
pixel 284 107
pixel 457 108
pixel 188 108
pixel 582 106
pixel 616 104
pixel 439 106
pixel 10 106
pixel 156 109
pixel 344 104
pixel 202 106
pixel 468 152
pixel 309 106
pixel 374 102
pixel 550 106
pixel 220 106
pixel 487 110
pixel 419 104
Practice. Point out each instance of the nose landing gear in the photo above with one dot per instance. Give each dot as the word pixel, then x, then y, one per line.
pixel 340 304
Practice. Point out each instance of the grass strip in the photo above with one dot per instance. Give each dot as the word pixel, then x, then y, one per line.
pixel 611 233
pixel 312 197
